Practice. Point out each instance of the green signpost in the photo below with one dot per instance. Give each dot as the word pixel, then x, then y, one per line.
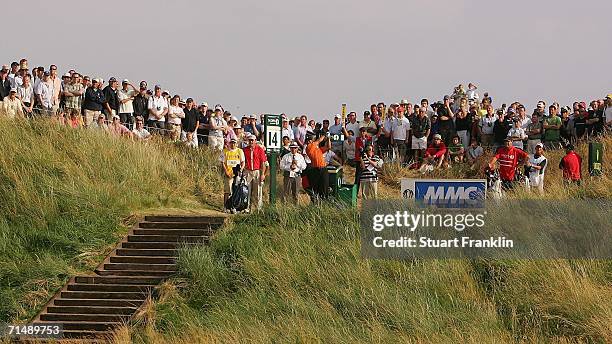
pixel 272 142
pixel 595 158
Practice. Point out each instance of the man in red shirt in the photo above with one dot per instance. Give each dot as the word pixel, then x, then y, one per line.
pixel 435 153
pixel 508 157
pixel 571 165
pixel 255 166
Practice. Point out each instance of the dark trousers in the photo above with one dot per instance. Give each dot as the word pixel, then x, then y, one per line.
pixel 319 180
pixel 358 170
pixel 155 126
pixel 127 119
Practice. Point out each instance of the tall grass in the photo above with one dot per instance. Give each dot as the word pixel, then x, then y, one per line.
pixel 64 194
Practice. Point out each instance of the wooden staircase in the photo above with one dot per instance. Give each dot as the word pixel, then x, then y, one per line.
pixel 93 306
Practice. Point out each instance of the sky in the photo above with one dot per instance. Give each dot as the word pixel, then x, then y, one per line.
pixel 309 57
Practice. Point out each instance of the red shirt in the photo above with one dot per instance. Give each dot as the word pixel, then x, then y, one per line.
pixel 436 151
pixel 360 144
pixel 571 166
pixel 508 159
pixel 254 158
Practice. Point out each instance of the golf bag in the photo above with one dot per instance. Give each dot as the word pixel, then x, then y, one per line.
pixel 239 199
pixel 493 183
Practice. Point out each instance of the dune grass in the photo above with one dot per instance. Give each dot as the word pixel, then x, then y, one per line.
pixel 67 196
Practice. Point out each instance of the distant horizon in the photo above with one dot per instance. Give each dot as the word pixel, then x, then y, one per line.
pixel 309 58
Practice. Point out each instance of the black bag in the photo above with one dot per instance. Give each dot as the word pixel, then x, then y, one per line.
pixel 239 199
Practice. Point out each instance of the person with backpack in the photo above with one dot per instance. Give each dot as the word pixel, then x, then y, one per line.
pixel 231 157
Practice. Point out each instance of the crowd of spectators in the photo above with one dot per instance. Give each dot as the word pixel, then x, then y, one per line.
pixel 425 135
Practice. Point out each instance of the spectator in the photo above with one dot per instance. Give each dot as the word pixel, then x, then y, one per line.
pixel 501 128
pixel 292 164
pixel 567 126
pixel 287 130
pixel 335 131
pixel 421 128
pixel 369 124
pixel 158 109
pixel 456 151
pixel 55 86
pixel 126 96
pixel 552 126
pixel 25 93
pixel 251 128
pixel 255 168
pixel 348 149
pixel 217 130
pixel 74 119
pixel 486 127
pixel 229 130
pixel 571 164
pixel 435 154
pixel 319 179
pixel 299 132
pixel 509 158
pixel 140 103
pixel 175 113
pixel 595 119
pixel 93 102
pixel 474 152
pixel 232 160
pixel 190 123
pixel 139 132
pixel 370 164
pixel 446 118
pixel 73 93
pixel 534 133
pixel 401 130
pixel 463 121
pixel 471 93
pixel 111 104
pixel 536 168
pixel 352 124
pixel 100 123
pixel 608 111
pixel 517 134
pixel 13 73
pixel 361 143
pixel 5 83
pixel 12 106
pixel 118 129
pixel 204 124
pixel 44 94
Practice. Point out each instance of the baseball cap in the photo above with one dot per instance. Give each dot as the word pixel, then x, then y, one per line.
pixel 116 116
pixel 253 117
pixel 5 68
pixel 13 90
pixel 294 145
pixel 251 137
pixel 237 125
pixel 609 96
pixel 101 115
pixel 234 118
pixel 285 119
pixel 218 108
pixel 507 139
pixel 404 102
pixel 541 145
pixel 233 139
pixel 205 104
pixel 125 81
pixel 112 79
pixel 165 91
pixel 47 73
pixel 437 137
pixel 337 116
pixel 157 87
pixel 446 97
pixel 67 75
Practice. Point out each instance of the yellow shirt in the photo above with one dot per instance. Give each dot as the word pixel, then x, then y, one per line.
pixel 230 158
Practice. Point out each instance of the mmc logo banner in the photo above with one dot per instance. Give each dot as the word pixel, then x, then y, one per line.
pixel 445 193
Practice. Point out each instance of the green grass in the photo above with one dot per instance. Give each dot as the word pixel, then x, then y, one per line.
pixel 67 196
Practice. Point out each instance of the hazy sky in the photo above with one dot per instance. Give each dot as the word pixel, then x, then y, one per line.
pixel 297 57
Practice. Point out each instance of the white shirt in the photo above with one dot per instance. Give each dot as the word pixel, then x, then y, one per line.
pixel 472 94
pixel 142 133
pixel 517 132
pixel 127 106
pixel 25 93
pixel 400 128
pixel 158 104
pixel 354 127
pixel 486 124
pixel 45 93
pixel 300 163
pixel 219 122
pixel 287 132
pixel 175 113
pixel 537 176
pixel 608 114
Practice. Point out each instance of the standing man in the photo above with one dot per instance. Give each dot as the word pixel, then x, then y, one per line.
pixel 55 85
pixel 217 130
pixel 400 131
pixel 25 92
pixel 537 167
pixel 204 124
pixel 508 157
pixel 255 169
pixel 231 158
pixel 319 179
pixel 292 164
pixel 287 130
pixel 421 127
pixel 111 106
pixel 486 127
pixel 337 129
pixel 44 95
pixel 299 132
pixel 158 108
pixel 140 104
pixel 517 134
pixel 126 96
pixel 352 124
pixel 73 93
pixel 5 84
pixel 190 122
pixel 93 102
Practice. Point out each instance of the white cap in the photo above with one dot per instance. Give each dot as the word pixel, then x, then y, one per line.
pixel 116 116
pixel 205 104
pixel 218 107
pixel 234 118
pixel 337 116
pixel 67 74
pixel 253 116
pixel 126 81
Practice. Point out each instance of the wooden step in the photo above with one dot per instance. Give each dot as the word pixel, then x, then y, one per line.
pixel 111 287
pixel 98 302
pixel 91 310
pixel 146 267
pixel 102 295
pixel 143 273
pixel 142 260
pixel 117 280
pixel 83 317
pixel 147 252
pixel 179 225
pixel 84 325
pixel 177 218
pixel 167 238
pixel 160 245
pixel 173 232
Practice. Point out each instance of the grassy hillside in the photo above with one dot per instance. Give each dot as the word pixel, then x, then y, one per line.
pixel 64 194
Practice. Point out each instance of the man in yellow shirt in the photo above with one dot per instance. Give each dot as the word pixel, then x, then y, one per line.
pixel 12 105
pixel 231 157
